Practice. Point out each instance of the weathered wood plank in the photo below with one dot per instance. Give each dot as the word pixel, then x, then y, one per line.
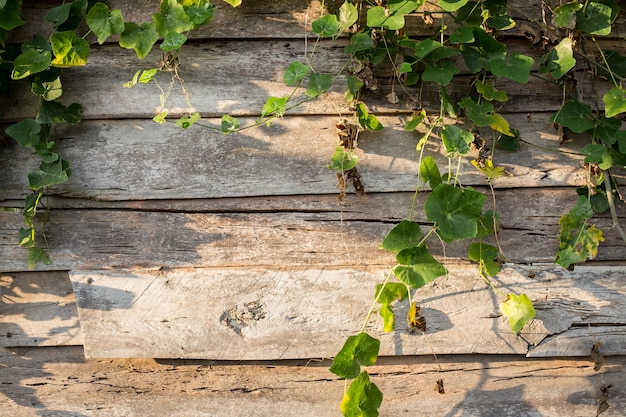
pixel 134 160
pixel 59 381
pixel 38 309
pixel 269 313
pixel 268 234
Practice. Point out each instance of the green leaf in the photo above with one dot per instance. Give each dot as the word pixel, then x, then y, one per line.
pixel 201 13
pixel 498 18
pixel 296 71
pixel 342 159
pixel 31 62
pixel 362 399
pixel 160 118
pixel 69 50
pixel 348 15
pixel 519 310
pixel 456 139
pixel 417 267
pixel 105 23
pixel 48 90
pixel 140 38
pixel 10 15
pixel 594 18
pixel 30 205
pixel 229 124
pixel 614 101
pixel 565 15
pixel 275 106
pixel 485 49
pixel 404 235
pixel 518 68
pixel 58 15
pixel 326 26
pixel 391 292
pixel 415 121
pixel 559 60
pixel 26 132
pixel 359 42
pixel 463 34
pixel 489 91
pixel 440 72
pixel 455 211
pixel 452 5
pixel 367 120
pixel 173 41
pixel 389 318
pixel 172 18
pixel 424 47
pixel 49 174
pixel 429 171
pixel 577 241
pixel 480 113
pixel 37 255
pixel 46 150
pixel 77 11
pixel 26 237
pixel 356 351
pixel 487 257
pixel 391 18
pixel 187 122
pixel 510 143
pixel 598 154
pixel 354 85
pixel 55 112
pixel 574 115
pixel 318 84
pixel 148 75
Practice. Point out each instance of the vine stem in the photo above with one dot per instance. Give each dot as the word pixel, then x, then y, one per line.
pixel 371 310
pixel 609 198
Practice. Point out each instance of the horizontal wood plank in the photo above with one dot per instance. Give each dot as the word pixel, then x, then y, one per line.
pixel 59 381
pixel 135 160
pixel 268 313
pixel 38 309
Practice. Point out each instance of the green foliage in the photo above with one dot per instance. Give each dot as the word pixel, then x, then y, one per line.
pixel 455 211
pixel 362 399
pixel 357 351
pixel 577 241
pixel 343 159
pixel 519 310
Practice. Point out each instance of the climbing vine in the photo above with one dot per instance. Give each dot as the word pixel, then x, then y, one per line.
pixel 466 40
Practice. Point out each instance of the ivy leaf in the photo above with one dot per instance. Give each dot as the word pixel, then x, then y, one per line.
pixel 55 112
pixel 481 114
pixel 229 124
pixel 318 84
pixel 31 62
pixel 201 13
pixel 49 174
pixel 104 22
pixel 77 10
pixel 518 68
pixel 26 237
pixel 577 241
pixel 36 255
pixel 160 118
pixel 173 41
pixel 498 17
pixel 296 71
pixel 559 60
pixel 429 171
pixel 456 139
pixel 487 168
pixel 440 72
pixel 359 42
pixel 391 292
pixel 417 267
pixel 140 38
pixel 342 159
pixel 348 15
pixel 172 18
pixel 416 120
pixel 575 116
pixel 452 5
pixel 487 257
pixel 48 90
pixel 367 120
pixel 187 122
pixel 393 17
pixel 489 92
pixel 594 18
pixel 404 235
pixel 424 47
pixel 519 310
pixel 69 50
pixel 356 351
pixel 326 26
pixel 354 85
pixel 614 101
pixel 362 399
pixel 10 15
pixel 59 14
pixel 565 15
pixel 463 34
pixel 26 132
pixel 598 154
pixel 455 211
pixel 274 105
pixel 485 49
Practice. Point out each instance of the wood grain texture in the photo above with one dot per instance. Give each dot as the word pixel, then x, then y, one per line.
pixel 140 160
pixel 38 309
pixel 59 381
pixel 292 313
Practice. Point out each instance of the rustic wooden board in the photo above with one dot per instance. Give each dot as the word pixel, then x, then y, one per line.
pixel 282 231
pixel 38 309
pixel 135 160
pixel 58 381
pixel 287 313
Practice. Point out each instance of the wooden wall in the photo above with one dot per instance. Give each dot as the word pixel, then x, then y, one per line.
pixel 233 253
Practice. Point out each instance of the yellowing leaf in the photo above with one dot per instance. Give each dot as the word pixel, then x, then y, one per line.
pixel 519 310
pixel 487 168
pixel 501 125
